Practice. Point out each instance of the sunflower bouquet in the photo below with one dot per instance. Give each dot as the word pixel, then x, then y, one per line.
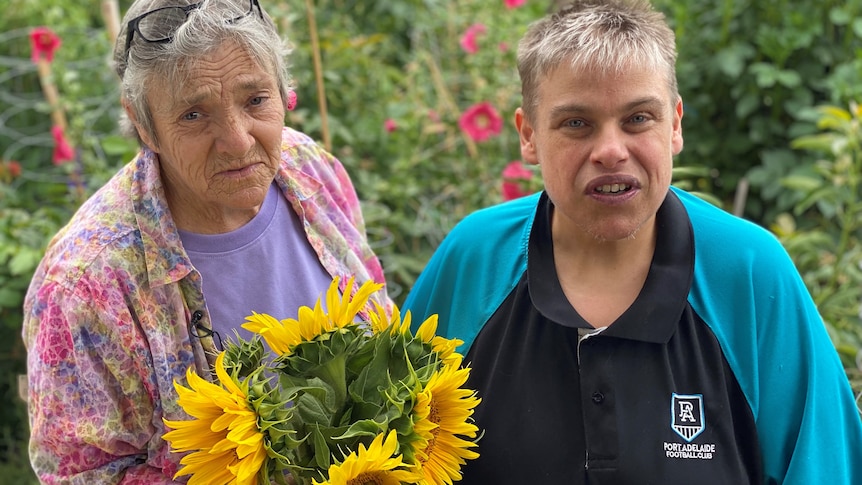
pixel 334 400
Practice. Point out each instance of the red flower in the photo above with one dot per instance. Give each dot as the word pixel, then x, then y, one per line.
pixel 43 41
pixel 63 152
pixel 390 125
pixel 291 100
pixel 481 121
pixel 470 38
pixel 513 174
pixel 510 4
pixel 14 168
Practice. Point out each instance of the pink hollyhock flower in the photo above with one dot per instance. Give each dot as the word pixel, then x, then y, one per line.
pixel 63 152
pixel 291 100
pixel 510 4
pixel 43 42
pixel 469 41
pixel 14 168
pixel 390 125
pixel 481 121
pixel 514 173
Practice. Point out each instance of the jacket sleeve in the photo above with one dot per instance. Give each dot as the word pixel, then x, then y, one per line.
pixel 91 400
pixel 808 421
pixel 774 339
pixel 473 270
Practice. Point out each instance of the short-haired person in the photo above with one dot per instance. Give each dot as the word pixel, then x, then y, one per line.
pixel 224 211
pixel 621 331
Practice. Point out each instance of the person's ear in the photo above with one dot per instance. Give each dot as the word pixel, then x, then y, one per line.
pixel 525 135
pixel 676 135
pixel 142 133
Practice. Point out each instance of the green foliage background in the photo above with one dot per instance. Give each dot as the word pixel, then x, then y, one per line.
pixel 752 74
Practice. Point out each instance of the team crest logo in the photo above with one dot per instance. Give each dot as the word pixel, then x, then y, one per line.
pixel 687 415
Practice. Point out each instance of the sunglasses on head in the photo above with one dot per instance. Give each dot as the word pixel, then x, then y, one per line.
pixel 158 26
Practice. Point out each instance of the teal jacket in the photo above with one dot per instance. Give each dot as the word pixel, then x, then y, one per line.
pixel 746 289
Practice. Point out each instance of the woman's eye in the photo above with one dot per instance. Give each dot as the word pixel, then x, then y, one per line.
pixel 191 116
pixel 257 100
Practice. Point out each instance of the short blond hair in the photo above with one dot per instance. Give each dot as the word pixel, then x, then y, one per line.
pixel 607 35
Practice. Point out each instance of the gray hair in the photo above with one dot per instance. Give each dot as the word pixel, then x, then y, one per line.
pixel 609 35
pixel 205 29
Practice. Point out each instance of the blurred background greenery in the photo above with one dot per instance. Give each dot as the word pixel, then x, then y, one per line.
pixel 771 129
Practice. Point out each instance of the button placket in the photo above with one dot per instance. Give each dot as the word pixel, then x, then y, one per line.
pixel 598 404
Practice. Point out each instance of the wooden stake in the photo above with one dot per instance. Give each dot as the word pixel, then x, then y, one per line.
pixel 318 75
pixel 111 16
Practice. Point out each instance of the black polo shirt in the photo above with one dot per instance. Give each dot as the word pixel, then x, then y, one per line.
pixel 648 400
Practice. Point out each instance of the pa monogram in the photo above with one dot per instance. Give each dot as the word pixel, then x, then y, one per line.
pixel 687 415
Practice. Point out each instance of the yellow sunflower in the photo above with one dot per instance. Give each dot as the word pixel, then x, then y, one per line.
pixel 375 465
pixel 442 413
pixel 226 442
pixel 343 309
pixel 283 335
pixel 379 321
pixel 445 348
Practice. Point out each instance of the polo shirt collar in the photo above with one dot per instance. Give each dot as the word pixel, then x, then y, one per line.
pixel 654 315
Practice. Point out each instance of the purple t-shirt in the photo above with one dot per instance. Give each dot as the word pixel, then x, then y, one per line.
pixel 266 266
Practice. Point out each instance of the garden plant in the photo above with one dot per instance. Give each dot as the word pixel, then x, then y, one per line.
pixel 415 97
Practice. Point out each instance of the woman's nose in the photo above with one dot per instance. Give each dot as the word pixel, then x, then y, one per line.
pixel 234 137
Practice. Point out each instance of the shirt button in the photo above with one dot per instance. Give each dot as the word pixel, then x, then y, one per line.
pixel 598 397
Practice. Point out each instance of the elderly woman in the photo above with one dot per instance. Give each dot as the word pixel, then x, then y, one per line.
pixel 223 212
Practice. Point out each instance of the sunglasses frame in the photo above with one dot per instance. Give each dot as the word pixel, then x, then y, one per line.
pixel 134 24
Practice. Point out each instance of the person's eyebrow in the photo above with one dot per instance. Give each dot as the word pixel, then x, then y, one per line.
pixel 648 102
pixel 247 86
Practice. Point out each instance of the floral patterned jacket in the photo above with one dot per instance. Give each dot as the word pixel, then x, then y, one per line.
pixel 106 318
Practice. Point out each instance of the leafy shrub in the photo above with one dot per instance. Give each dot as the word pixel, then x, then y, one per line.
pixel 749 72
pixel 421 175
pixel 824 232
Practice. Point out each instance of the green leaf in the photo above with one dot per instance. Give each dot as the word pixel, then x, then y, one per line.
pixel 839 16
pixel 747 104
pixel 311 406
pixel 731 60
pixel 689 171
pixel 365 427
pixel 10 298
pixel 823 197
pixel 321 449
pixel 788 78
pixel 765 74
pixel 834 114
pixel 820 142
pixel 24 262
pixel 115 145
pixel 708 197
pixel 802 183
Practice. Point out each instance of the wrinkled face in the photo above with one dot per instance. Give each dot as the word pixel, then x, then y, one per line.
pixel 605 144
pixel 218 139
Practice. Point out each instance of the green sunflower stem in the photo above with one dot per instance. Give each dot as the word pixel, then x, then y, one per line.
pixel 334 373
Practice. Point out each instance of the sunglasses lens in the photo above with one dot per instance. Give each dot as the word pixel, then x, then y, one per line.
pixel 161 24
